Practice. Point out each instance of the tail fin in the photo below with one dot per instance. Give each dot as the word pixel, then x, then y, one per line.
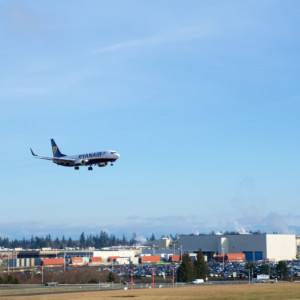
pixel 55 150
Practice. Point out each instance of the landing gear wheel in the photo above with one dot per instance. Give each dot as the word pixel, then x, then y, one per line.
pixel 90 168
pixel 111 164
pixel 76 168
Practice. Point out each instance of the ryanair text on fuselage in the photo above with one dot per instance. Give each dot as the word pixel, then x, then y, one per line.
pixel 101 158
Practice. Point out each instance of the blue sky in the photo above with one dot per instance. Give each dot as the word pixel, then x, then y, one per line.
pixel 200 98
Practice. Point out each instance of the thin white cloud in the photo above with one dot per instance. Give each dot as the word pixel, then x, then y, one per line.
pixel 196 31
pixel 144 227
pixel 16 88
pixel 272 222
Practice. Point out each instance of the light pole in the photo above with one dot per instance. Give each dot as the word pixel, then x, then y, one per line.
pixel 173 275
pixel 223 254
pixel 180 253
pixel 8 263
pixel 64 262
pixel 249 275
pixel 153 277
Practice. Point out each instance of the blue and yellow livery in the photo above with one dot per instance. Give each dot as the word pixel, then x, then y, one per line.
pixel 100 158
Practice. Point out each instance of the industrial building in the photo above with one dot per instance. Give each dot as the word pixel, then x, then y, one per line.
pixel 273 247
pixel 237 247
pixel 163 243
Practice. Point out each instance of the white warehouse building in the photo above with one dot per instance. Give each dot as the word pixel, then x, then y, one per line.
pixel 273 247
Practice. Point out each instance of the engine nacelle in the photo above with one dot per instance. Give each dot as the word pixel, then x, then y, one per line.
pixel 102 164
pixel 84 162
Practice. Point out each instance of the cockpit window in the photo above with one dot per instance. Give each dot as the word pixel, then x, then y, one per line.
pixel 112 152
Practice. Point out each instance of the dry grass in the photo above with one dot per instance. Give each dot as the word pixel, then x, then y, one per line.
pixel 259 291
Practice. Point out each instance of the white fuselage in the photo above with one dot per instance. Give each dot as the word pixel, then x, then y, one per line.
pixel 100 158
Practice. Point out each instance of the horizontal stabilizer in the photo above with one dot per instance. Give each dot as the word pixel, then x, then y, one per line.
pixel 64 159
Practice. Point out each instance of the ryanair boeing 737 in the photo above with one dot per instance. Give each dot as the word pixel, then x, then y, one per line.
pixel 101 158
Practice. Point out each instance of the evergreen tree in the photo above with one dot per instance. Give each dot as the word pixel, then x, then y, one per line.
pixel 264 269
pixel 186 271
pixel 70 242
pixel 103 240
pixel 152 237
pixel 282 269
pixel 201 269
pixel 5 243
pixel 113 240
pixel 57 243
pixel 251 268
pixel 250 265
pixel 24 243
pixel 133 240
pixel 82 240
pixel 111 277
pixel 124 241
pixel 9 279
pixel 48 240
pixel 63 242
pixel 31 244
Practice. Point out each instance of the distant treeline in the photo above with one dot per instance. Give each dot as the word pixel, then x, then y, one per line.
pixel 84 241
pixel 98 241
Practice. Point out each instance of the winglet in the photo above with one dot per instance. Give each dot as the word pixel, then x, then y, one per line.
pixel 32 152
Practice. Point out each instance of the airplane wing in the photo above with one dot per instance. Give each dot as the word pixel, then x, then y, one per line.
pixel 53 158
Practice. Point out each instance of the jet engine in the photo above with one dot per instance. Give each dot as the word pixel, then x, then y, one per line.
pixel 102 164
pixel 84 162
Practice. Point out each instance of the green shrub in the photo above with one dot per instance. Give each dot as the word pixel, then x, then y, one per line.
pixel 93 280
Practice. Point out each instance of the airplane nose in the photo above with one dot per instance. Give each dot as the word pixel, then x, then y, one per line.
pixel 118 155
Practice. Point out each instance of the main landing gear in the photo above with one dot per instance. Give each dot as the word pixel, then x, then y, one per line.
pixel 90 168
pixel 76 168
pixel 111 164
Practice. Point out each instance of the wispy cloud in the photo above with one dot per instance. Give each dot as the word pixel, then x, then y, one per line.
pixel 144 227
pixel 196 31
pixel 17 88
pixel 271 222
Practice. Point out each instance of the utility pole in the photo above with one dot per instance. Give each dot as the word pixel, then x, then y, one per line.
pixel 173 275
pixel 8 263
pixel 132 278
pixel 180 253
pixel 249 275
pixel 42 274
pixel 153 277
pixel 64 262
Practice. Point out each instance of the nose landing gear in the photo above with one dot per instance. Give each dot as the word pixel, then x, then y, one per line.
pixel 76 168
pixel 90 168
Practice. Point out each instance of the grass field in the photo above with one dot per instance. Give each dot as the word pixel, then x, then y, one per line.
pixel 258 291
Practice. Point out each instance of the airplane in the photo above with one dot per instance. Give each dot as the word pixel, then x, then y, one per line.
pixel 100 158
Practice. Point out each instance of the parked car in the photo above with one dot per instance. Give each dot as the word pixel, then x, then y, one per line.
pixel 51 283
pixel 198 281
